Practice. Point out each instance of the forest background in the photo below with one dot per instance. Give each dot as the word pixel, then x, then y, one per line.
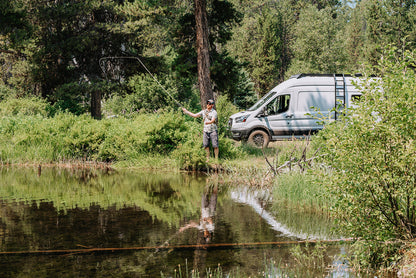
pixel 59 50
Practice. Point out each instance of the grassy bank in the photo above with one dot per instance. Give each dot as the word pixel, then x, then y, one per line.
pixel 154 141
pixel 32 132
pixel 144 140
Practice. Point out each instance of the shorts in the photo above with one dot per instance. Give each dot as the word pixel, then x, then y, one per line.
pixel 210 136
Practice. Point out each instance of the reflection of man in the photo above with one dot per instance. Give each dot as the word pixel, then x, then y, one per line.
pixel 206 223
pixel 207 214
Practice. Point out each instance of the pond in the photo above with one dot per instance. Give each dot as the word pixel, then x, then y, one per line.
pixel 57 222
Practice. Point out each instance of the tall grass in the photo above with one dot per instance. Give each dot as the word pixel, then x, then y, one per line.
pixel 301 191
pixel 307 262
pixel 271 269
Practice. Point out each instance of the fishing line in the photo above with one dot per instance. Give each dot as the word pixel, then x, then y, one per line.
pixel 102 66
pixel 190 246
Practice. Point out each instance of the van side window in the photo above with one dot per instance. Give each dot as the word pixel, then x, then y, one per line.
pixel 279 105
pixel 355 98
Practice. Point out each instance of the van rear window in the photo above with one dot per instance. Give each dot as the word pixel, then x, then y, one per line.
pixel 355 98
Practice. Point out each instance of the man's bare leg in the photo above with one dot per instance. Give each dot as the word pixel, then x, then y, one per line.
pixel 207 151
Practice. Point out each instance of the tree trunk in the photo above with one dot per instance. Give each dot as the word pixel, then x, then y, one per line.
pixel 202 46
pixel 96 104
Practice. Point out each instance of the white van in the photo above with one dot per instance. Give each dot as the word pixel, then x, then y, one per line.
pixel 293 108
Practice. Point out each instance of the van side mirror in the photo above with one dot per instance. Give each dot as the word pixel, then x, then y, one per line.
pixel 262 113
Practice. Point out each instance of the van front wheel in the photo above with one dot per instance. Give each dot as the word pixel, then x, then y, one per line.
pixel 258 139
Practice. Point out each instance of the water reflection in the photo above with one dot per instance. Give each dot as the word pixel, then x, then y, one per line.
pixel 175 218
pixel 287 222
pixel 206 224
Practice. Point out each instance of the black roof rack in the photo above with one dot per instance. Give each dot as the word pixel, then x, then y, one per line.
pixel 297 76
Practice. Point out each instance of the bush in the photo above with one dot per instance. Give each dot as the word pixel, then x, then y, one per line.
pixel 69 137
pixel 72 97
pixel 372 155
pixel 28 106
pixel 224 109
pixel 6 92
pixel 76 97
pixel 189 152
pixel 146 95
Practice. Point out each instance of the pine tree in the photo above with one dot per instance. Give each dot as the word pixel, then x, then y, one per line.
pixel 202 48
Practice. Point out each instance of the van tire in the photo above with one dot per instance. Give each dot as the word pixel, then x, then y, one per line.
pixel 258 139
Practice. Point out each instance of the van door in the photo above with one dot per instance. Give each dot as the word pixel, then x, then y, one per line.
pixel 277 117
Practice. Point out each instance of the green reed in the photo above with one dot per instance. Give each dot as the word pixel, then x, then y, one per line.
pixel 301 190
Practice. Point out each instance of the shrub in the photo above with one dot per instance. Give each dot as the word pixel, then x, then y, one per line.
pixel 189 152
pixel 164 133
pixel 76 97
pixel 72 97
pixel 224 109
pixel 6 92
pixel 69 137
pixel 372 155
pixel 28 106
pixel 146 94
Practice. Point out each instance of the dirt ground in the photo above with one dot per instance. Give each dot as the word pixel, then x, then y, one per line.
pixel 407 266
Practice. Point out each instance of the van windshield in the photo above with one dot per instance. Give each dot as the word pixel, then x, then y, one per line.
pixel 262 101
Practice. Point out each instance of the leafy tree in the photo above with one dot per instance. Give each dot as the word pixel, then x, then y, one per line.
pixel 14 27
pixel 317 47
pixel 71 39
pixel 375 23
pixel 371 156
pixel 261 42
pixel 46 47
pixel 354 38
pixel 264 41
pixel 16 49
pixel 268 66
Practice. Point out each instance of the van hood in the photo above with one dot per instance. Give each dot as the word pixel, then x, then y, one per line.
pixel 239 114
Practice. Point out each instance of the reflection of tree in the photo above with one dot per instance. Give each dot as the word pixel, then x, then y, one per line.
pixel 167 197
pixel 60 211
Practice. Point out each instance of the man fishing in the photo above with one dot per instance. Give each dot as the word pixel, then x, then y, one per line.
pixel 210 117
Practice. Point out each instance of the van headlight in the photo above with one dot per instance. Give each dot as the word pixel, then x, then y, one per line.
pixel 242 119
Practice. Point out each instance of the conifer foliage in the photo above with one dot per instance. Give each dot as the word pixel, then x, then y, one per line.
pixel 48 46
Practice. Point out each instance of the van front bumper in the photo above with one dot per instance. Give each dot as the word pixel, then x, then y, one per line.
pixel 239 135
pixel 236 135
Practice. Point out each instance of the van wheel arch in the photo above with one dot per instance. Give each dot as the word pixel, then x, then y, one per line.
pixel 258 138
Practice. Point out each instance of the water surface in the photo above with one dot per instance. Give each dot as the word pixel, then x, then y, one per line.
pixel 146 224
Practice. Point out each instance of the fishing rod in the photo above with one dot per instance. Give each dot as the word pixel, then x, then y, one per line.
pixel 102 66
